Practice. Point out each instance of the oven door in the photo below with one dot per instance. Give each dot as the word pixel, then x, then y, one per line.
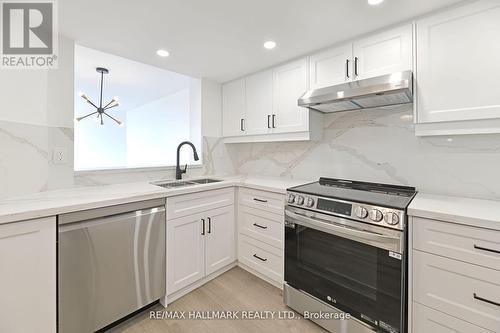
pixel 353 266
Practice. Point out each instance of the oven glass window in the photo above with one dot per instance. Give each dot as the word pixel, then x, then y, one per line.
pixel 352 276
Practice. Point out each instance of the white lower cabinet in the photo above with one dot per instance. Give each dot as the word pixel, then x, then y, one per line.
pixel 260 233
pixel 28 276
pixel 427 320
pixel 455 277
pixel 220 242
pixel 199 244
pixel 185 252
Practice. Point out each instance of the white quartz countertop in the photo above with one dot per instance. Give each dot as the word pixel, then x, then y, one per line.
pixel 474 212
pixel 56 202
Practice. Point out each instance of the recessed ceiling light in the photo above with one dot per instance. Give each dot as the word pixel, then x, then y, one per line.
pixel 270 44
pixel 375 2
pixel 162 53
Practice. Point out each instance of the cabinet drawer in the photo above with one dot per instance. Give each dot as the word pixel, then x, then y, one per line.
pixel 193 203
pixel 460 289
pixel 261 257
pixel 264 226
pixel 271 202
pixel 473 245
pixel 426 320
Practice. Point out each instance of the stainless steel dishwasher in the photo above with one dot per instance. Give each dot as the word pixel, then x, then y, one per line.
pixel 111 263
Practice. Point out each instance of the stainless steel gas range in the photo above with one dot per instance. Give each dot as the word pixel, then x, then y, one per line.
pixel 345 253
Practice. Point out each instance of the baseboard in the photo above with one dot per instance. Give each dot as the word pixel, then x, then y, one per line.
pixel 261 276
pixel 178 294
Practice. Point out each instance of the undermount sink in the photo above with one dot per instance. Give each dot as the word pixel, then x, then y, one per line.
pixel 205 181
pixel 185 183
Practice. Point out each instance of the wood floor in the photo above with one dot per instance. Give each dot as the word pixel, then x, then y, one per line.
pixel 235 290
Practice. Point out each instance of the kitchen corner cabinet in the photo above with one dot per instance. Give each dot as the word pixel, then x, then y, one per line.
pixel 457 70
pixel 28 276
pixel 233 107
pixel 263 106
pixel 200 236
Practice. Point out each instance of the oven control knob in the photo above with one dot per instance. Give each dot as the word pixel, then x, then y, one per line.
pixel 299 200
pixel 361 212
pixel 392 218
pixel 376 215
pixel 309 202
pixel 291 198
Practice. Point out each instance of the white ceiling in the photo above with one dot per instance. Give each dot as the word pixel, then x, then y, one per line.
pixel 222 39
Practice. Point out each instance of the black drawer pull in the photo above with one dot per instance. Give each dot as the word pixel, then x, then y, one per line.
pixel 268 121
pixel 485 300
pixel 259 200
pixel 260 226
pixel 209 224
pixel 256 256
pixel 203 227
pixel 485 249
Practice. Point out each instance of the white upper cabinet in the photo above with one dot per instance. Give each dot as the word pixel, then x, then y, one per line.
pixel 290 82
pixel 330 67
pixel 384 53
pixel 233 107
pixel 259 102
pixel 458 66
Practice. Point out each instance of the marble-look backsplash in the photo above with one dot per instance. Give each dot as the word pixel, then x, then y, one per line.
pixel 26 163
pixel 376 145
pixel 373 145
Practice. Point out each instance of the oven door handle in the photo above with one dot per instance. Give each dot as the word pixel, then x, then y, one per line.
pixel 392 243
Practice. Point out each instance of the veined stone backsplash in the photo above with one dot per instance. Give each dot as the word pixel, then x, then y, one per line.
pixel 377 145
pixel 26 163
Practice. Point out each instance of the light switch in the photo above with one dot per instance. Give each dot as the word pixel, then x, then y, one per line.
pixel 59 155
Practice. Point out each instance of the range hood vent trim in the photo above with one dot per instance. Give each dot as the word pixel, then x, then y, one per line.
pixel 390 89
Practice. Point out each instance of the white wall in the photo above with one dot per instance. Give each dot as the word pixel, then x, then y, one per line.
pixel 36 116
pixel 155 129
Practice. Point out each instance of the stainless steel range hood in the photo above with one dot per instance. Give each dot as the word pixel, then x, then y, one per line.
pixel 391 89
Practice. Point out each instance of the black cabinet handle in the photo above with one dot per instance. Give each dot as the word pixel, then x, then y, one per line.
pixel 259 200
pixel 347 67
pixel 209 224
pixel 241 125
pixel 485 249
pixel 203 227
pixel 485 300
pixel 268 121
pixel 256 256
pixel 260 226
pixel 356 66
pixel 274 124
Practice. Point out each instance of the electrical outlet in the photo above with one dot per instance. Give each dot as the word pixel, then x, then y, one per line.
pixel 59 155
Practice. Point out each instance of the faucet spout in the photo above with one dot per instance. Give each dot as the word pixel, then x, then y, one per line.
pixel 178 170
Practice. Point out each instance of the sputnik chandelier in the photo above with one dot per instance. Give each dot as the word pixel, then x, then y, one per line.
pixel 101 110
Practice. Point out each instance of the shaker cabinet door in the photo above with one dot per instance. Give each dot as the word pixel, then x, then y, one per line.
pixel 384 53
pixel 457 64
pixel 233 107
